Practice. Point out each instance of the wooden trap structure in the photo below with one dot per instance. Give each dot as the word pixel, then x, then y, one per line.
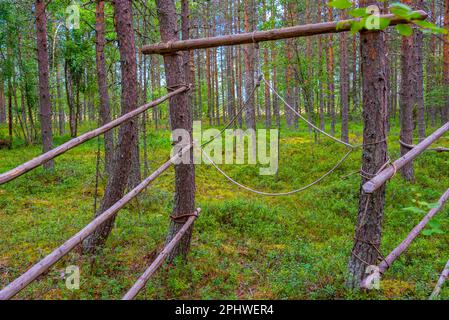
pixel 166 49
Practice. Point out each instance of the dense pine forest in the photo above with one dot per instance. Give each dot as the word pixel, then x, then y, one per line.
pixel 101 107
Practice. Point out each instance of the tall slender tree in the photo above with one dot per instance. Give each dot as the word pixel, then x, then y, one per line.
pixel 344 84
pixel 44 89
pixel 2 102
pixel 105 113
pixel 249 56
pixel 368 232
pixel 117 182
pixel 180 118
pixel 446 61
pixel 407 98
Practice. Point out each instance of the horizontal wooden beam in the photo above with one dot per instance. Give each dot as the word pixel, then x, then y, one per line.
pixel 383 176
pixel 388 261
pixel 142 281
pixel 268 35
pixel 36 162
pixel 35 271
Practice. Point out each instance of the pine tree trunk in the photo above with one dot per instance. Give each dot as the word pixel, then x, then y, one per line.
pixel 371 207
pixel 2 102
pixel 61 116
pixel 431 69
pixel 105 112
pixel 421 112
pixel 344 84
pixel 407 99
pixel 180 118
pixel 117 182
pixel 249 58
pixel 446 61
pixel 44 90
pixel 289 9
pixel 320 73
pixel 330 73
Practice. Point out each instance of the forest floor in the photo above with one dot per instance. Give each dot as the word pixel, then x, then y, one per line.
pixel 244 246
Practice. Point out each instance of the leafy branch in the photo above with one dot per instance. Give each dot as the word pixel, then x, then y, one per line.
pixel 369 19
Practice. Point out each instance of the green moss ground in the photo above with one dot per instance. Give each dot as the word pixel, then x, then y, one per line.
pixel 244 246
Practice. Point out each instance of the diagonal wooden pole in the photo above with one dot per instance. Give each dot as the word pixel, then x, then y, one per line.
pixel 35 271
pixel 388 261
pixel 141 282
pixel 268 35
pixel 43 158
pixel 383 176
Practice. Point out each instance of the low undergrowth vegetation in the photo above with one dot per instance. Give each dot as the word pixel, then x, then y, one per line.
pixel 244 246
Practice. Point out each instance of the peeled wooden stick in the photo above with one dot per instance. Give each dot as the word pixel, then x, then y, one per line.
pixel 35 271
pixel 141 282
pixel 440 282
pixel 384 265
pixel 383 176
pixel 36 162
pixel 411 146
pixel 260 36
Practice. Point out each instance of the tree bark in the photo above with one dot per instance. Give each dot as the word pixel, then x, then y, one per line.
pixel 421 112
pixel 180 118
pixel 61 116
pixel 2 102
pixel 320 73
pixel 407 98
pixel 117 182
pixel 249 55
pixel 330 74
pixel 289 10
pixel 44 90
pixel 105 112
pixel 344 84
pixel 371 207
pixel 446 61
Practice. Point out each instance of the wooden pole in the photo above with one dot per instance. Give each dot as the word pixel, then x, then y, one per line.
pixel 388 261
pixel 35 271
pixel 260 36
pixel 383 176
pixel 441 280
pixel 36 162
pixel 141 282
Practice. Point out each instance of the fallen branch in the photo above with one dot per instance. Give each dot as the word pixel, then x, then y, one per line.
pixel 36 162
pixel 35 271
pixel 388 261
pixel 440 282
pixel 268 35
pixel 411 146
pixel 383 176
pixel 141 282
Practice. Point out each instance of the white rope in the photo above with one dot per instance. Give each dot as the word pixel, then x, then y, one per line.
pixel 280 193
pixel 304 119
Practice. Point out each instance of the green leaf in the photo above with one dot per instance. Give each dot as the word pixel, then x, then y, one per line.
pixel 401 10
pixel 357 26
pixel 434 224
pixel 404 30
pixel 340 4
pixel 427 232
pixel 358 13
pixel 398 5
pixel 430 26
pixel 384 23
